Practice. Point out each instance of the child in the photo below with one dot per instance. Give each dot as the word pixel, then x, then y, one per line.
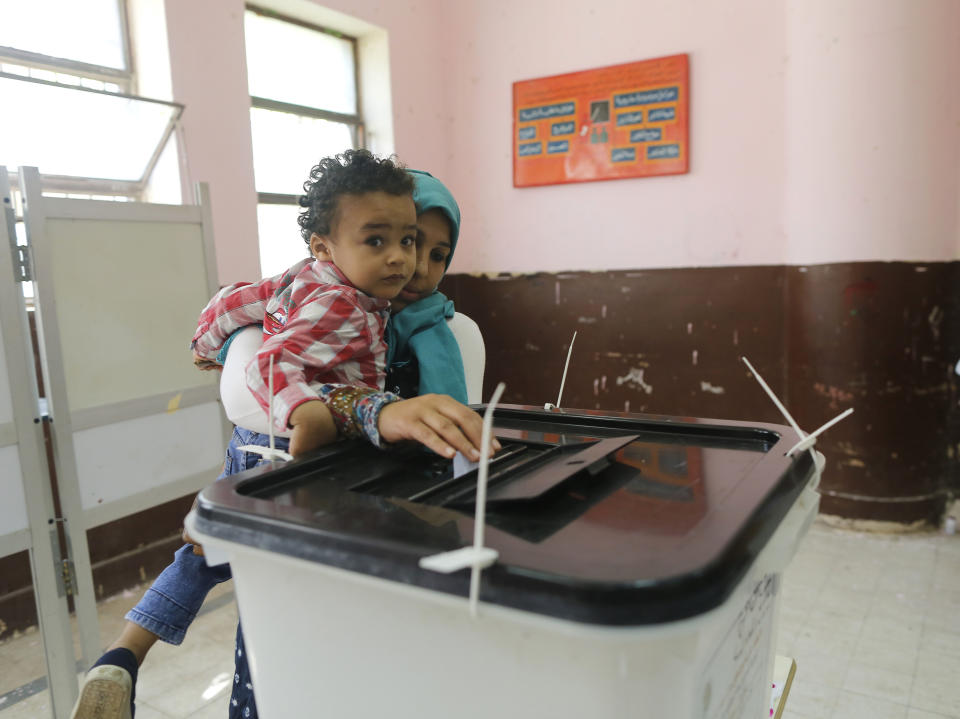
pixel 323 321
pixel 323 325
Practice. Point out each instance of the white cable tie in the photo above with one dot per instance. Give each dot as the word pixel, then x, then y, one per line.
pixel 477 557
pixel 270 453
pixel 777 402
pixel 566 366
pixel 270 405
pixel 811 439
pixel 481 501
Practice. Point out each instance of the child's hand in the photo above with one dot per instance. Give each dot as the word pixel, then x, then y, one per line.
pixel 203 363
pixel 436 421
pixel 312 427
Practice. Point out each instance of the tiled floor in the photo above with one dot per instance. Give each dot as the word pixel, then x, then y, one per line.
pixel 872 620
pixel 192 680
pixel 874 624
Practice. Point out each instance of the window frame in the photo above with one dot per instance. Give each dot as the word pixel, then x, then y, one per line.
pixel 354 121
pixel 123 77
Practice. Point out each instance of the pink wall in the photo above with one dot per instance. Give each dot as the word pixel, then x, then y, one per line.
pixel 208 75
pixel 820 131
pixel 873 130
pixel 727 210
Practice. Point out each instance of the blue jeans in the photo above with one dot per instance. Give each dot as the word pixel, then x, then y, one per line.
pixel 171 603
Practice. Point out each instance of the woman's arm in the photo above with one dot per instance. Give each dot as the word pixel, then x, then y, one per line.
pixel 440 423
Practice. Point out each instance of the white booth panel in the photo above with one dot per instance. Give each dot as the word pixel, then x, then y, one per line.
pixel 125 333
pixel 13 508
pixel 6 403
pixel 162 456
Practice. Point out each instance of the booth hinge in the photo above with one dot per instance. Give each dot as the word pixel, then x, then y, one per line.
pixel 62 567
pixel 69 577
pixel 21 254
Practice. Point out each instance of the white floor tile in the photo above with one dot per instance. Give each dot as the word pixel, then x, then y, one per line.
pixel 851 705
pixel 879 683
pixel 920 714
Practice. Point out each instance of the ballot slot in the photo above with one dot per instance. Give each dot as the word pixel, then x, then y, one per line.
pixel 549 472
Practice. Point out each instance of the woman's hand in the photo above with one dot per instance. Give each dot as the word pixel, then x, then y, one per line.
pixel 436 421
pixel 313 427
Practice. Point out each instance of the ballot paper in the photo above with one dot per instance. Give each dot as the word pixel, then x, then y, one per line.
pixel 462 465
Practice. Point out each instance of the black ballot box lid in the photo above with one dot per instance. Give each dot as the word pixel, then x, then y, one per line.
pixel 606 518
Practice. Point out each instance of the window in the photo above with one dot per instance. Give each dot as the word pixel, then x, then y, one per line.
pixel 69 108
pixel 67 92
pixel 304 106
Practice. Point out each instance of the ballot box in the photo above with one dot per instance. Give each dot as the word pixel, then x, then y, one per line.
pixel 638 572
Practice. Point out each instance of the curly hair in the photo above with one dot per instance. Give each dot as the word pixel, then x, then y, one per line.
pixel 353 172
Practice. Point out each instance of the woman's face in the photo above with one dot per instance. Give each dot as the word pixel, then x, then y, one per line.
pixel 433 248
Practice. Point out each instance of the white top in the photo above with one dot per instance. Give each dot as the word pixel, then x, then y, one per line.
pixel 243 410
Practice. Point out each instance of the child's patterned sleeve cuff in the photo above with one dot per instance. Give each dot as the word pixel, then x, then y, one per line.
pixel 356 410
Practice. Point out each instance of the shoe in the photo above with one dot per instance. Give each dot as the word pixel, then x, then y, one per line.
pixel 105 694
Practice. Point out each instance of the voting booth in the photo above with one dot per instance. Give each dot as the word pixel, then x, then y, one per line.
pixel 117 288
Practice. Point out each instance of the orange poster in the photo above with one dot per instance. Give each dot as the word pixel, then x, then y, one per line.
pixel 619 121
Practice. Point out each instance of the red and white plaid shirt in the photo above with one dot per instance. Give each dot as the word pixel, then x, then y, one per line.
pixel 317 327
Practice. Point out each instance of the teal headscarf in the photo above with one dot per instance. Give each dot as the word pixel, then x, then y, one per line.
pixel 420 330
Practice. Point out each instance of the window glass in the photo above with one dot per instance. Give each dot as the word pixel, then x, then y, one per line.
pixel 89 31
pixel 66 131
pixel 286 146
pixel 280 242
pixel 300 66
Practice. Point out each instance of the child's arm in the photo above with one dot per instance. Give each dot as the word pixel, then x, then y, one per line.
pixel 230 309
pixel 313 427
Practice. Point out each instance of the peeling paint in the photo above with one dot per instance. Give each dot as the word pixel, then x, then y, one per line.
pixel 634 378
pixel 848 449
pixel 626 406
pixel 834 394
pixel 531 347
pixel 935 318
pixel 620 355
pixel 694 356
pixel 587 320
pixel 603 383
pixel 941 388
pixel 851 462
pixel 712 389
pixel 556 290
pixel 596 387
pixel 689 328
pixel 603 312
